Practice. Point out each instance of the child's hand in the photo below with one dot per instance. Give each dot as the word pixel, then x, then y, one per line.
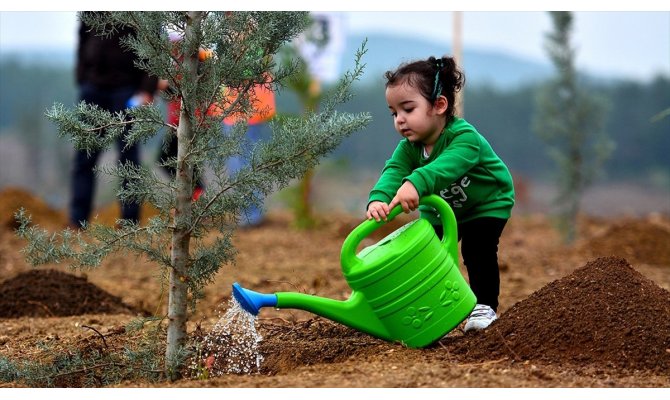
pixel 407 197
pixel 377 210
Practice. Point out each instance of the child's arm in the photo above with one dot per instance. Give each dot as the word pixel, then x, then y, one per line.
pixel 407 196
pixel 456 160
pixel 396 169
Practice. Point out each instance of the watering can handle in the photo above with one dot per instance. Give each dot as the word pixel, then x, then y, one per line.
pixel 449 239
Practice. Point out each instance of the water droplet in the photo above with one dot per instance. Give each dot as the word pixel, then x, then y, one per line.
pixel 232 345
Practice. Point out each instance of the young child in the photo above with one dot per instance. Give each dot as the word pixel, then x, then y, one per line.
pixel 443 154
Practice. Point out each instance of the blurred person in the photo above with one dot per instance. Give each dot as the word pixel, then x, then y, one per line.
pixel 264 109
pixel 443 154
pixel 107 77
pixel 262 99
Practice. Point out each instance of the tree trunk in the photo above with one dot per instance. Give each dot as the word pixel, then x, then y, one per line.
pixel 181 237
pixel 303 208
pixel 575 188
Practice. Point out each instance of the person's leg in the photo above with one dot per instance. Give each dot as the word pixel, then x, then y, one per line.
pixel 168 150
pixel 82 187
pixel 479 247
pixel 82 184
pixel 129 209
pixel 118 101
pixel 252 215
pixel 255 133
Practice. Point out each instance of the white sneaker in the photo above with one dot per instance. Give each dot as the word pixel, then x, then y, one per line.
pixel 480 318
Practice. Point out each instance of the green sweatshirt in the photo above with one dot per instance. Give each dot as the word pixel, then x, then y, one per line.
pixel 462 168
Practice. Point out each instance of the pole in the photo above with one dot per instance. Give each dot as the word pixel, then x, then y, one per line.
pixel 458 56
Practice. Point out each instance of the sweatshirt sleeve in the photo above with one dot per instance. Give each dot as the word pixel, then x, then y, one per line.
pixel 456 159
pixel 396 169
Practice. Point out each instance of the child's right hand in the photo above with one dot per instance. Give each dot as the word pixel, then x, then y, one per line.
pixel 377 210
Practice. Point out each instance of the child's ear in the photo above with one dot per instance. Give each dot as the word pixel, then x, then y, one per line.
pixel 441 104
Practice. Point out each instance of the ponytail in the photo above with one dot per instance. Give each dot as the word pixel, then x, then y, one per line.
pixel 433 77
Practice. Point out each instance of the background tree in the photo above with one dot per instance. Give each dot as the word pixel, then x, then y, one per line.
pixel 177 240
pixel 308 94
pixel 570 119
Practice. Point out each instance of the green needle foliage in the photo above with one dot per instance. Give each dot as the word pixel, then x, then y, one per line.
pixel 571 120
pixel 242 46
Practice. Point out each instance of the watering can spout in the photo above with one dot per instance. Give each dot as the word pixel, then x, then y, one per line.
pixel 252 301
pixel 353 312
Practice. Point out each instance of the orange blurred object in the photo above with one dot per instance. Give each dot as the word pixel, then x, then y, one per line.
pixel 263 100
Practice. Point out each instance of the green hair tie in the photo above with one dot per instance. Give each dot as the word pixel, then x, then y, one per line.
pixel 437 86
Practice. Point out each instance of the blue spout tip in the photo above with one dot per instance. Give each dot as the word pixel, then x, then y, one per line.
pixel 252 301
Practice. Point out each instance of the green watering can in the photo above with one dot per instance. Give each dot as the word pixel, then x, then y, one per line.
pixel 407 287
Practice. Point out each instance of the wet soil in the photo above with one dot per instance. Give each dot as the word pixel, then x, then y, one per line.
pixel 592 314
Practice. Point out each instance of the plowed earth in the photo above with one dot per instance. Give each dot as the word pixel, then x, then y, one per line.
pixel 593 314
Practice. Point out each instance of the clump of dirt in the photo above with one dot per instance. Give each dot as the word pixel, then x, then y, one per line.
pixel 52 293
pixel 635 240
pixel 12 199
pixel 604 313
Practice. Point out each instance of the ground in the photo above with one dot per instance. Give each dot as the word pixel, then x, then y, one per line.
pixel 592 314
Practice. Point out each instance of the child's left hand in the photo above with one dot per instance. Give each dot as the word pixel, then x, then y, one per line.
pixel 407 197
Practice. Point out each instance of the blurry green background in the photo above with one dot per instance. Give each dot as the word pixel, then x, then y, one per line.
pixel 504 64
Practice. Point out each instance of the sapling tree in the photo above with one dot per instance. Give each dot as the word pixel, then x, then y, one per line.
pixel 308 92
pixel 190 240
pixel 570 119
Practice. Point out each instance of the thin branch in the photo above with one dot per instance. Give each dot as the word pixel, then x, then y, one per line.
pixel 128 122
pixel 99 334
pixel 481 364
pixel 85 369
pixel 124 235
pixel 233 184
pixel 516 356
pixel 244 91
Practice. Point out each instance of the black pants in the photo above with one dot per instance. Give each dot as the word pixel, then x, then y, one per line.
pixel 479 247
pixel 83 177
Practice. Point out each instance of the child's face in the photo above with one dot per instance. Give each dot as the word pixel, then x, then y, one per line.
pixel 414 117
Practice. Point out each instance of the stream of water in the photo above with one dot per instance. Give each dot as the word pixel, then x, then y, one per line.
pixel 232 345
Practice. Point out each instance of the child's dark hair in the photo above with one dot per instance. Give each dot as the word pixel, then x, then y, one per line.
pixel 433 77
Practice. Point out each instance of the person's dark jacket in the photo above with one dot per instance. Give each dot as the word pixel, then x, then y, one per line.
pixel 103 62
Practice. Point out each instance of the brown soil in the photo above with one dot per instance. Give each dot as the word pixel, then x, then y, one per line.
pixel 51 293
pixel 635 240
pixel 605 314
pixel 570 316
pixel 12 199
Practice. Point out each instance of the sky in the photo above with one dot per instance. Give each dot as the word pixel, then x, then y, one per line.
pixel 630 44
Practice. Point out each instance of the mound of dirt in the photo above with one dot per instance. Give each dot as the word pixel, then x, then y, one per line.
pixel 636 240
pixel 604 313
pixel 12 199
pixel 51 293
